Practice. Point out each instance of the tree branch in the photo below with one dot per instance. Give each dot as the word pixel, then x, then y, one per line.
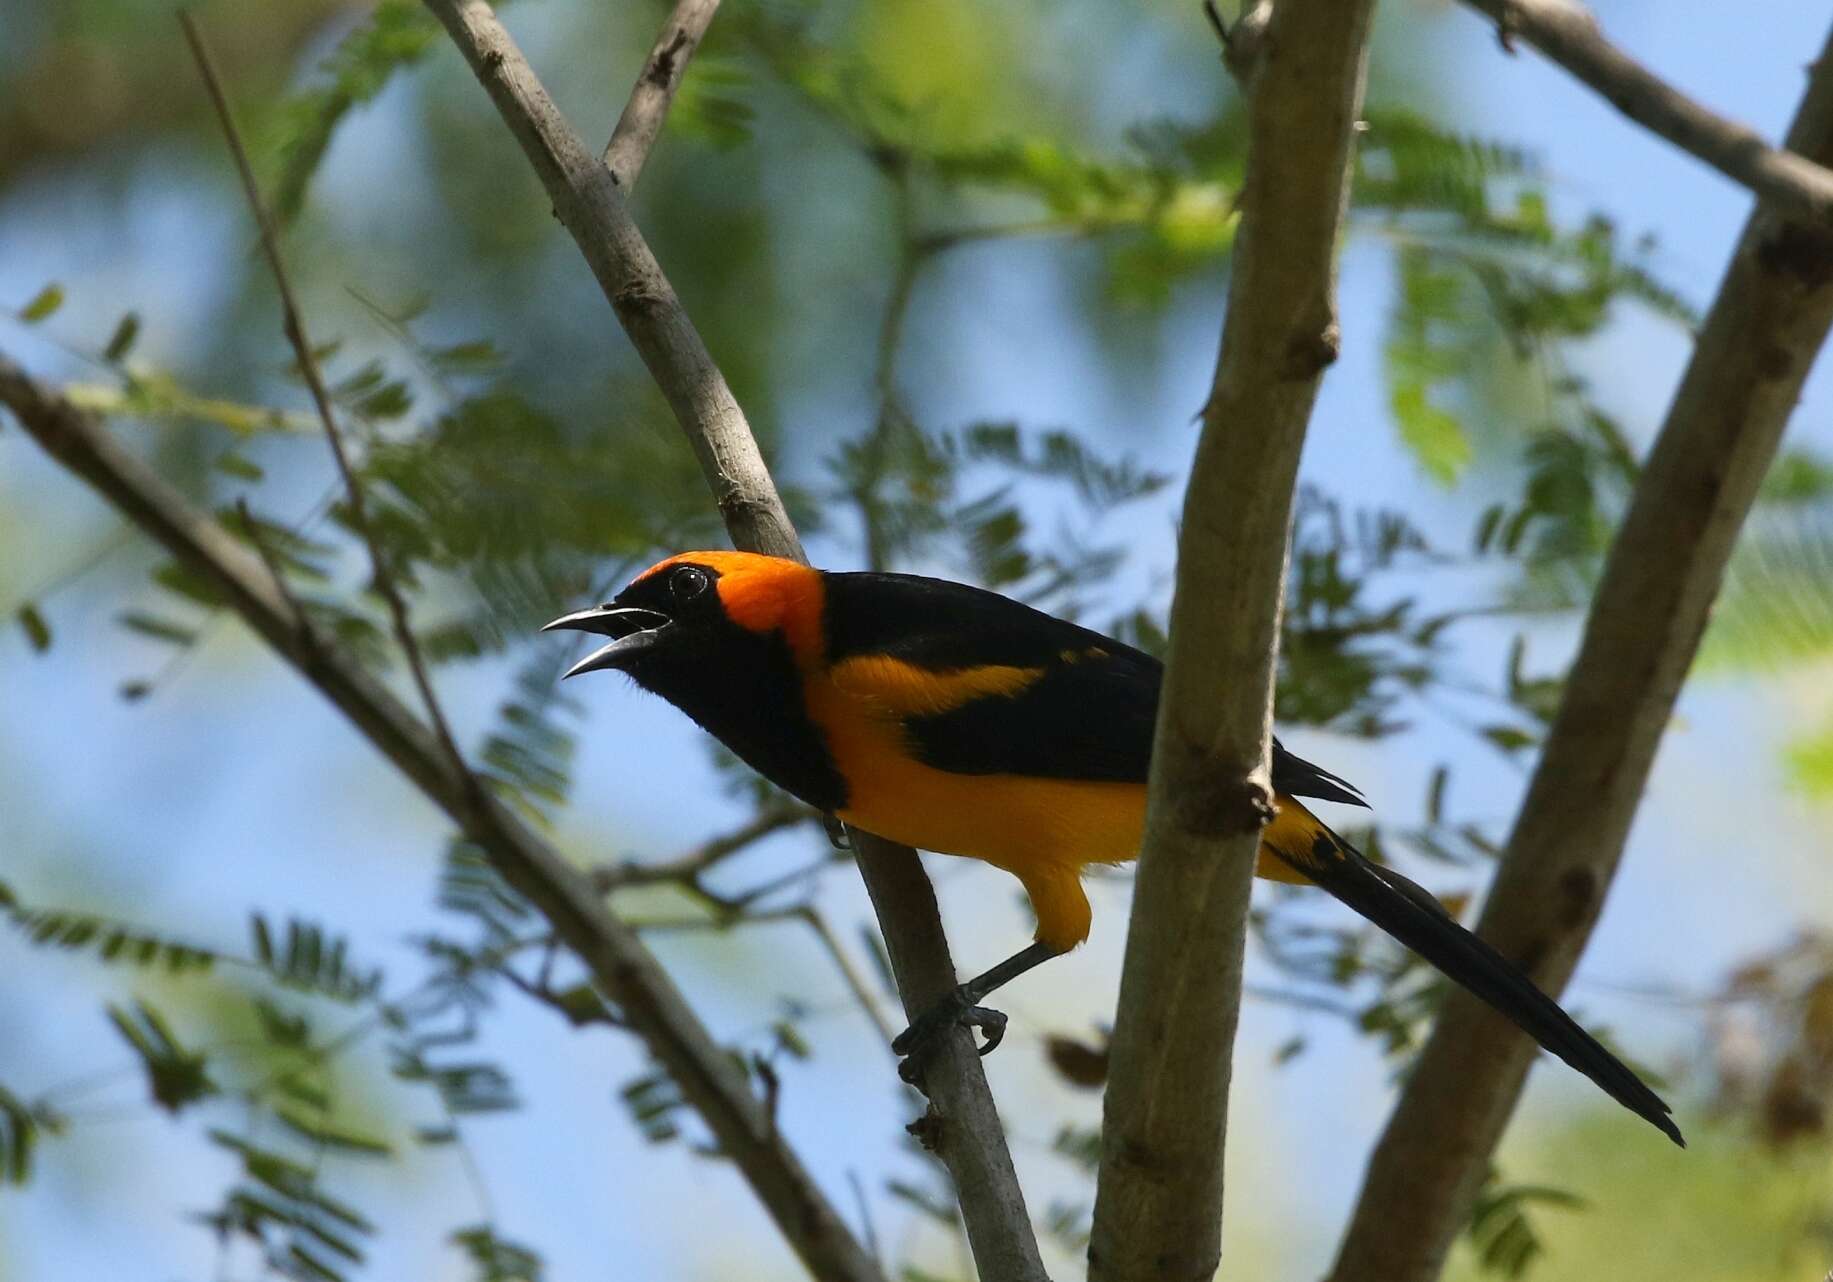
pixel 588 202
pixel 641 123
pixel 1770 319
pixel 1566 32
pixel 647 998
pixel 1159 1197
pixel 687 868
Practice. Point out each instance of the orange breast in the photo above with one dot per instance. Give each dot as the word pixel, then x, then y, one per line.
pixel 1043 831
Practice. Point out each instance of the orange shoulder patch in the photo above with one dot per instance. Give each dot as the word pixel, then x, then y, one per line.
pixel 906 690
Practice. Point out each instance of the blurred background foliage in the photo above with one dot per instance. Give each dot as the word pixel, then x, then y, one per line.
pixel 963 266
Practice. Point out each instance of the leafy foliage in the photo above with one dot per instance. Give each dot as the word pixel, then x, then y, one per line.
pixel 1775 613
pixel 1501 1228
pixel 921 498
pixel 496 1259
pixel 302 1231
pixel 109 940
pixel 1344 661
pixel 398 34
pixel 23 1125
pixel 495 509
pixel 176 1076
pixel 308 959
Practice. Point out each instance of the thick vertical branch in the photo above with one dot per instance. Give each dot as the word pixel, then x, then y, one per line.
pixel 1759 340
pixel 586 198
pixel 1159 1199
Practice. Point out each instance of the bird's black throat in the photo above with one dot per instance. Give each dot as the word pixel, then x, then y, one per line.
pixel 744 689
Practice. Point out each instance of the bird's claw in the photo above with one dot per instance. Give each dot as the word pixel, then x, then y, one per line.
pixel 918 1043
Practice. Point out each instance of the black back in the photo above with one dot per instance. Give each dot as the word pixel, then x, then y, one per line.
pixel 1090 716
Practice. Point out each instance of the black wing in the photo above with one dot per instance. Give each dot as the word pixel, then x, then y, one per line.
pixel 1088 717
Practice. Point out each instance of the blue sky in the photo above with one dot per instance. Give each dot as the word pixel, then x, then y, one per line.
pixel 236 787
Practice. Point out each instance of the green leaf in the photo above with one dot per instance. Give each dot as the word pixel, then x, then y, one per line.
pixel 112 941
pixel 311 960
pixel 177 1077
pixel 326 1136
pixel 496 1259
pixel 158 629
pixel 1809 761
pixel 43 304
pixel 233 464
pixel 127 329
pixel 1508 738
pixel 37 631
pixel 652 1100
pixel 397 35
pixel 1776 610
pixel 1436 437
pixel 1500 1226
pixel 711 105
pixel 23 1126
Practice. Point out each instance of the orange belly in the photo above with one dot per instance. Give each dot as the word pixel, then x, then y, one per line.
pixel 1042 831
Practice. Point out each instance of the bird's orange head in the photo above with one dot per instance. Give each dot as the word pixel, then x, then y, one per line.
pixel 727 638
pixel 695 603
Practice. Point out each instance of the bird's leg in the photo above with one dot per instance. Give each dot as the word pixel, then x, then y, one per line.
pixel 962 1007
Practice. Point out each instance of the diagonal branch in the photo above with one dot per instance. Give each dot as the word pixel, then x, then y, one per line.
pixel 1565 31
pixel 646 997
pixel 589 203
pixel 1769 321
pixel 641 123
pixel 1158 1202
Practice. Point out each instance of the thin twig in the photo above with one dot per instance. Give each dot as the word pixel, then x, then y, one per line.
pixel 294 325
pixel 862 991
pixel 1569 34
pixel 641 123
pixel 1758 341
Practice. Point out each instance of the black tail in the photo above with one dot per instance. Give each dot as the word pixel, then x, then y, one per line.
pixel 1410 914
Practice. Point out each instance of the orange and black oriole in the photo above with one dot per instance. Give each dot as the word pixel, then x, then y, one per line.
pixel 954 719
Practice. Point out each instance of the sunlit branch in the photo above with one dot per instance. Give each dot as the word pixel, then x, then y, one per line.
pixel 1565 31
pixel 1759 339
pixel 641 123
pixel 1158 1200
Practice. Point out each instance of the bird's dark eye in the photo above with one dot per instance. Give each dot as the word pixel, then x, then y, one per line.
pixel 688 582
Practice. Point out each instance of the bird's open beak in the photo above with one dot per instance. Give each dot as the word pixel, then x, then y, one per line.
pixel 632 629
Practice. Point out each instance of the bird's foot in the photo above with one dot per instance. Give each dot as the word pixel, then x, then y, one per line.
pixel 918 1043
